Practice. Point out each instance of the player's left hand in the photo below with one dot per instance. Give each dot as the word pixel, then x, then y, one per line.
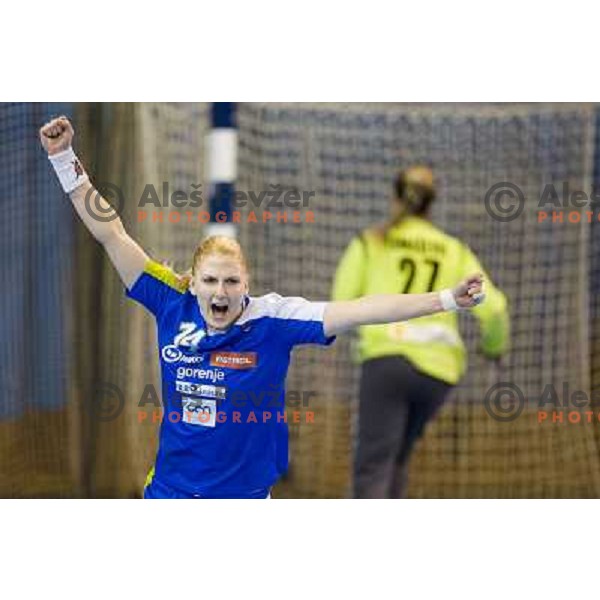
pixel 469 292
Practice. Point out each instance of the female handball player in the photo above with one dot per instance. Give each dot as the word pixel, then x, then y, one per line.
pixel 222 351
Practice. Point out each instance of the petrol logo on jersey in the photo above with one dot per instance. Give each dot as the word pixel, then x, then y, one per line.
pixel 233 360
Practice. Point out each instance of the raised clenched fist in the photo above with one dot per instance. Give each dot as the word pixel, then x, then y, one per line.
pixel 56 135
pixel 469 293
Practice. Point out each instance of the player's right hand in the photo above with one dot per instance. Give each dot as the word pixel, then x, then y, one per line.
pixel 57 135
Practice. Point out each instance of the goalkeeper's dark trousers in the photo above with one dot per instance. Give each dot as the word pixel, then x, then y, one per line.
pixel 396 403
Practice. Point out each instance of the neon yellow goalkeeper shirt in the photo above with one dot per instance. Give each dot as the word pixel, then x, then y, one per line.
pixel 417 258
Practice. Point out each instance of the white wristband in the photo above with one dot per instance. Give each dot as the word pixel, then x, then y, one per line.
pixel 69 170
pixel 448 301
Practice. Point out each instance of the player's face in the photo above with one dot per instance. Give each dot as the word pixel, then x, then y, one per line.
pixel 220 284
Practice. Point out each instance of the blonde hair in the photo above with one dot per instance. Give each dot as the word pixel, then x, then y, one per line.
pixel 222 246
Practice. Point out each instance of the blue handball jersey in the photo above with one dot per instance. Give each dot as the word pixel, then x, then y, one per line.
pixel 223 432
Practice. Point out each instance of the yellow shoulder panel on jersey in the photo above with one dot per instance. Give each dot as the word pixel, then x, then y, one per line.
pixel 165 275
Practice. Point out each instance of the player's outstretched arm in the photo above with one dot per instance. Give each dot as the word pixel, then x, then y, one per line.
pixel 126 255
pixel 390 308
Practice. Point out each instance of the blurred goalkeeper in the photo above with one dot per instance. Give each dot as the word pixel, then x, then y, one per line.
pixel 409 368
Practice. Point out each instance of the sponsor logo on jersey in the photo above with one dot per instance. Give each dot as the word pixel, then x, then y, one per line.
pixel 201 389
pixel 233 360
pixel 172 353
pixel 213 375
pixel 199 411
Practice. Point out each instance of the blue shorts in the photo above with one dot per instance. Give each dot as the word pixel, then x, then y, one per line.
pixel 156 490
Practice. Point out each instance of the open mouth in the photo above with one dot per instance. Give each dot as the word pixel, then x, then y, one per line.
pixel 219 310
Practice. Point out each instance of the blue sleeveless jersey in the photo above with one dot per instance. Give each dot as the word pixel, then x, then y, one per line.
pixel 223 433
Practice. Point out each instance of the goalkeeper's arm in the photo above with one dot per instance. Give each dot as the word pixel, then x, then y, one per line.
pixel 349 280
